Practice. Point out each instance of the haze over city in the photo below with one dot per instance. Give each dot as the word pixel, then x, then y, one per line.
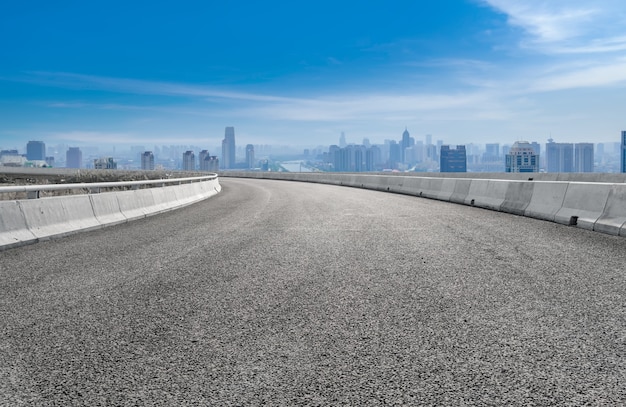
pixel 285 73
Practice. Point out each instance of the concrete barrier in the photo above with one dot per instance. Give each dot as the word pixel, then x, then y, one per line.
pixel 81 214
pixel 13 228
pixel 58 216
pixel 547 200
pixel 106 208
pixel 613 218
pixel 553 197
pixel 488 194
pixel 517 197
pixel 583 205
pixel 135 204
pixel 27 221
pixel 461 190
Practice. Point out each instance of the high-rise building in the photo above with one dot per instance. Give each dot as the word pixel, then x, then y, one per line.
pixel 147 160
pixel 104 163
pixel 559 157
pixel 452 160
pixel 623 152
pixel 583 157
pixel 405 143
pixel 201 157
pixel 342 140
pixel 189 161
pixel 395 154
pixel 373 157
pixel 36 150
pixel 522 158
pixel 74 158
pixel 228 148
pixel 250 163
pixel 209 163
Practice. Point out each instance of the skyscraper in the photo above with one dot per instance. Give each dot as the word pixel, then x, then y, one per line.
pixel 559 156
pixel 623 151
pixel 147 160
pixel 189 161
pixel 522 158
pixel 452 160
pixel 583 157
pixel 36 150
pixel 74 158
pixel 342 140
pixel 405 143
pixel 250 163
pixel 228 148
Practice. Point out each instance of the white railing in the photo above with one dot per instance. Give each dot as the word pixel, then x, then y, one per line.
pixel 34 191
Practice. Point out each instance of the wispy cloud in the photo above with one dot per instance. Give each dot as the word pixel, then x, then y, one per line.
pixel 124 85
pixel 588 77
pixel 567 26
pixel 365 105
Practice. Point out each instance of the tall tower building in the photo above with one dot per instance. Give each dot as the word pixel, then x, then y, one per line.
pixel 74 158
pixel 452 160
pixel 228 148
pixel 405 143
pixel 147 160
pixel 36 150
pixel 189 161
pixel 559 157
pixel 583 157
pixel 342 140
pixel 522 158
pixel 623 151
pixel 250 156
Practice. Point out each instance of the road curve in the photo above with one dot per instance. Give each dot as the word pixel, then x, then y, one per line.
pixel 283 293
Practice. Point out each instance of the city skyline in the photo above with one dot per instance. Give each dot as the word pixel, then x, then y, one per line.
pixel 481 71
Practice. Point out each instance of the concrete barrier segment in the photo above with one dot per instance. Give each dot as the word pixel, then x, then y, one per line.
pixel 13 229
pixel 488 194
pixel 106 208
pixel 547 200
pixel 517 197
pixel 164 199
pixel 446 189
pixel 80 211
pixel 583 204
pixel 613 218
pixel 135 204
pixel 461 189
pixel 406 185
pixel 52 217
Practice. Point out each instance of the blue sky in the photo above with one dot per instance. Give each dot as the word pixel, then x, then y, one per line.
pixel 300 73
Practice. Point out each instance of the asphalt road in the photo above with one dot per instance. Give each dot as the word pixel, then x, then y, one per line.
pixel 282 293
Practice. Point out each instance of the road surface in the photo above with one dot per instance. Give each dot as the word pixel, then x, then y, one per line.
pixel 283 293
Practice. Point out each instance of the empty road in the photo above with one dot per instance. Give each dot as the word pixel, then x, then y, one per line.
pixel 282 293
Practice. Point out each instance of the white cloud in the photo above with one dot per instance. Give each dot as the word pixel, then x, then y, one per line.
pixel 567 26
pixel 589 77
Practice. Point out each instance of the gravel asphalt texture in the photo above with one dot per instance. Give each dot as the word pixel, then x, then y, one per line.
pixel 284 293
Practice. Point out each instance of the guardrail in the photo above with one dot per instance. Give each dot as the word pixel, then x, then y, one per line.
pixel 598 206
pixel 28 221
pixel 34 191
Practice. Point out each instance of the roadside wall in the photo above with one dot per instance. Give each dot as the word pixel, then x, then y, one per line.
pixel 31 220
pixel 590 201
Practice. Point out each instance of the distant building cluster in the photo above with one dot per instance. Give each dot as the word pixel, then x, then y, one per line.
pixel 407 154
pixel 403 154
